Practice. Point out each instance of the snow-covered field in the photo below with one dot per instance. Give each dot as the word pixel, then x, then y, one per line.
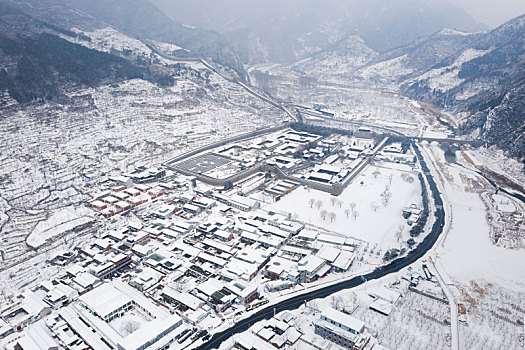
pixel 467 252
pixel 361 211
pixel 60 221
pixel 503 203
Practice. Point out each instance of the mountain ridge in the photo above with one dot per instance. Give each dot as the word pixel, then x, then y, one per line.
pixel 284 31
pixel 488 88
pixel 137 18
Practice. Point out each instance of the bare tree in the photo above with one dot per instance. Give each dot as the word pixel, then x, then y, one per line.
pixel 353 205
pixel 319 204
pixel 179 285
pixel 407 178
pixel 374 206
pixel 386 195
pixel 313 305
pixel 399 233
pixel 333 200
pixel 323 214
pixel 307 82
pixel 347 212
pixel 263 80
pixel 376 173
pixel 337 302
pixel 130 326
pixel 355 214
pixel 311 201
pixel 332 216
pixel 340 204
pixel 333 302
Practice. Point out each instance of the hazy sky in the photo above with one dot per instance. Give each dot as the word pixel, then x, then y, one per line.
pixel 492 12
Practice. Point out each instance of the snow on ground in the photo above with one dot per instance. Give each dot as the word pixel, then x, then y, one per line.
pixel 361 105
pixel 109 40
pixel 448 31
pixel 385 71
pixel 6 100
pixel 374 222
pixel 436 134
pixel 167 47
pixel 467 253
pixel 102 131
pixel 446 78
pixel 417 322
pixel 60 221
pixel 224 171
pixel 474 89
pixel 339 64
pixel 504 203
pixel 112 41
pixel 129 323
pixel 495 160
pixel 4 207
pixel 491 319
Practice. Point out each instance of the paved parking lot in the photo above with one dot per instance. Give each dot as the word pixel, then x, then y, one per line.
pixel 203 164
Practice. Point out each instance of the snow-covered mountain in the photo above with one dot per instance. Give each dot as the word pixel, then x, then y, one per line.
pixel 284 31
pixel 502 123
pixel 483 81
pixel 38 63
pixel 416 58
pixel 136 18
pixel 477 76
pixel 483 66
pixel 339 62
pixel 352 60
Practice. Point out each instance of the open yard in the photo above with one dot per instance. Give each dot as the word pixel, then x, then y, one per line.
pixel 370 208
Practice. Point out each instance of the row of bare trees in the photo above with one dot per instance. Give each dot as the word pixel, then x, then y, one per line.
pixel 331 215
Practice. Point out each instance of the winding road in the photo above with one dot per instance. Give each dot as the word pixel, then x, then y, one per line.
pixel 394 266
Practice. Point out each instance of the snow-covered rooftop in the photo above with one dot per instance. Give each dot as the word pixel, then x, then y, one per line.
pixel 343 319
pixel 104 299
